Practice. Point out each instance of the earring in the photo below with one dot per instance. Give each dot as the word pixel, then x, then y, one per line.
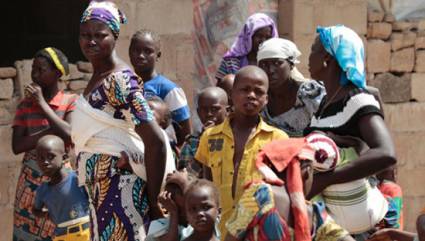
pixel 325 64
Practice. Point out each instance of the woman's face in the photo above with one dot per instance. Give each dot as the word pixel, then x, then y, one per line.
pixel 261 35
pixel 278 70
pixel 43 73
pixel 96 40
pixel 316 60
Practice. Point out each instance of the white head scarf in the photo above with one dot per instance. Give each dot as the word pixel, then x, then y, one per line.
pixel 278 48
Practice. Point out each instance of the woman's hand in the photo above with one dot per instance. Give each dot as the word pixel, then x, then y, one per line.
pixel 381 235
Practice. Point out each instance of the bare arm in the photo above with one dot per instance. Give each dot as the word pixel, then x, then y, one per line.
pixel 420 227
pixel 173 228
pixel 184 129
pixel 392 234
pixel 22 142
pixel 380 155
pixel 155 158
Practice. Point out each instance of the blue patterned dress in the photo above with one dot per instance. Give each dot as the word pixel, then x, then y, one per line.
pixel 118 199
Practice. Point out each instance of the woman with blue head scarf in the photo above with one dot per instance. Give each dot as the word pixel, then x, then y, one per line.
pixel 337 59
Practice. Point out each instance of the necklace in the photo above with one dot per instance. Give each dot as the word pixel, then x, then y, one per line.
pixel 328 102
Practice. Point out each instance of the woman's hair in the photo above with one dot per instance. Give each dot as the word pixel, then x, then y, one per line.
pixel 145 32
pixel 198 183
pixel 56 59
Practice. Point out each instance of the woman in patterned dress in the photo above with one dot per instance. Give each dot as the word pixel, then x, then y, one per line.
pixel 121 202
pixel 44 110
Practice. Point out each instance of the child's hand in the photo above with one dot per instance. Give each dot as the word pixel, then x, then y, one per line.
pixel 167 202
pixel 381 235
pixel 34 92
pixel 178 177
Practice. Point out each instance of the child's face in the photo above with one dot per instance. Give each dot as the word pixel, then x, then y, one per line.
pixel 49 160
pixel 249 95
pixel 211 109
pixel 143 53
pixel 43 73
pixel 201 209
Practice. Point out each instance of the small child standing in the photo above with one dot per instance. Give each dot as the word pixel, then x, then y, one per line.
pixel 202 210
pixel 212 104
pixel 228 150
pixel 392 192
pixel 144 51
pixel 66 202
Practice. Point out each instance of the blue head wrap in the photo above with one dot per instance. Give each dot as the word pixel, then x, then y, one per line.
pixel 347 48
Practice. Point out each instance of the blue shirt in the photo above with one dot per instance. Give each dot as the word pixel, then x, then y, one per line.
pixel 172 94
pixel 65 201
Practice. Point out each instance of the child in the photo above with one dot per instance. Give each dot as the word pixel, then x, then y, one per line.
pixel 66 202
pixel 212 103
pixel 173 228
pixel 227 84
pixel 44 110
pixel 144 53
pixel 392 192
pixel 228 150
pixel 202 210
pixel 270 211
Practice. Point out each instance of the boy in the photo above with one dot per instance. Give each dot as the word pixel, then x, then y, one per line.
pixel 212 104
pixel 202 210
pixel 66 202
pixel 228 150
pixel 144 53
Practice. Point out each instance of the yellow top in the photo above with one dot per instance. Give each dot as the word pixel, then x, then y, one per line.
pixel 216 150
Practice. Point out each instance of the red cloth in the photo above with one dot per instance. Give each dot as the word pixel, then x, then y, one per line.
pixel 284 155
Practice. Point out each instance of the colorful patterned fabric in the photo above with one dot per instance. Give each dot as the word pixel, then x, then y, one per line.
pixel 347 48
pixel 107 12
pixel 392 192
pixel 118 199
pixel 285 155
pixel 294 121
pixel 187 156
pixel 27 227
pixel 216 150
pixel 256 217
pixel 236 57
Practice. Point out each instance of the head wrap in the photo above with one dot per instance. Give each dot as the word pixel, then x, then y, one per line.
pixel 107 12
pixel 347 48
pixel 278 48
pixel 56 58
pixel 243 44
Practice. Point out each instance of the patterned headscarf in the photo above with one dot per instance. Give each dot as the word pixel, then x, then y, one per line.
pixel 347 48
pixel 107 12
pixel 56 58
pixel 243 44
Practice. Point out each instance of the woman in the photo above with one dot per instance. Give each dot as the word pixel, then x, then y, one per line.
pixel 258 28
pixel 112 116
pixel 337 58
pixel 44 110
pixel 292 99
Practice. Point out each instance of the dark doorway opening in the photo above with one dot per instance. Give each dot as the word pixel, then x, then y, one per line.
pixel 32 25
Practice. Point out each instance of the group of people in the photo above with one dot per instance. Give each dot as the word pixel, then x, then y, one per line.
pixel 278 156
